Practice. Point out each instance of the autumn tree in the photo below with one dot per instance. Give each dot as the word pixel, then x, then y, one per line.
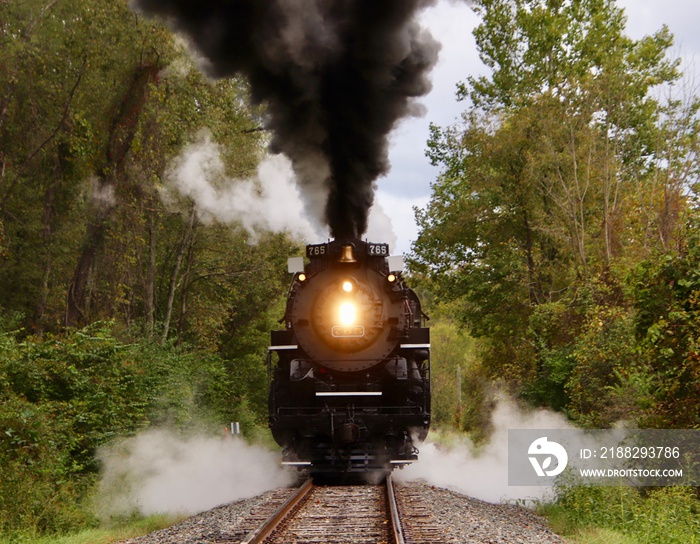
pixel 119 308
pixel 95 104
pixel 533 221
pixel 63 132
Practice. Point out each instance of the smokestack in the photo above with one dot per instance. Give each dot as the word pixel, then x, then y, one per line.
pixel 335 75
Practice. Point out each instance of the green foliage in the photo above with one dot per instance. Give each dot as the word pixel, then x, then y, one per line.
pixel 459 391
pixel 550 328
pixel 533 45
pixel 83 383
pixel 65 396
pixel 666 294
pixel 37 490
pixel 131 529
pixel 607 383
pixel 95 103
pixel 42 439
pixel 662 515
pixel 562 224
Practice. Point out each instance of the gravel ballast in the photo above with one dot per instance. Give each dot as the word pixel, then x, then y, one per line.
pixel 456 518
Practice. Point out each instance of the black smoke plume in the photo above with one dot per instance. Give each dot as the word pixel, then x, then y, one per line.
pixel 335 75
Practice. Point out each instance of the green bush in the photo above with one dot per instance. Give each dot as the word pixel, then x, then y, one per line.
pixel 664 515
pixel 666 293
pixel 39 489
pixel 606 384
pixel 453 357
pixel 64 396
pixel 550 330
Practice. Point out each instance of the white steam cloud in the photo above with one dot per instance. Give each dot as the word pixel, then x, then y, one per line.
pixel 483 473
pixel 102 194
pixel 379 226
pixel 161 472
pixel 270 201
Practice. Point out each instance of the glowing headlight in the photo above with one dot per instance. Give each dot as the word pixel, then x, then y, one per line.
pixel 347 313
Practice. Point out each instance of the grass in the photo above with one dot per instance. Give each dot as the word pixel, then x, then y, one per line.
pixel 131 529
pixel 624 515
pixel 596 535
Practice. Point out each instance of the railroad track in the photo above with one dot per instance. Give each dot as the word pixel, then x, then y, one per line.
pixel 358 514
pixel 339 515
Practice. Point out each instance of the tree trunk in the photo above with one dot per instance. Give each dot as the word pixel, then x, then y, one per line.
pixel 149 288
pixel 121 135
pixel 176 272
pixel 185 288
pixel 49 206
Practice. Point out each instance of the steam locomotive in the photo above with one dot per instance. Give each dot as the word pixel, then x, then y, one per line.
pixel 349 376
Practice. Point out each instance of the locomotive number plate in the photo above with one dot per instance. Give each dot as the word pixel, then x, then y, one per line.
pixel 378 250
pixel 316 250
pixel 348 332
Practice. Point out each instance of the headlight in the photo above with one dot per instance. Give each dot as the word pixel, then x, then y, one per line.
pixel 347 313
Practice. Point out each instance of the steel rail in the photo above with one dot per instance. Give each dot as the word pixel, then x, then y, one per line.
pixel 396 527
pixel 270 524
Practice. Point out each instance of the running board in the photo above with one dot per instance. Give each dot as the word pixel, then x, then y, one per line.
pixel 348 393
pixel 309 463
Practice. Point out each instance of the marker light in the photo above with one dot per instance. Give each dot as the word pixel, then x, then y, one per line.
pixel 391 278
pixel 347 286
pixel 301 277
pixel 347 313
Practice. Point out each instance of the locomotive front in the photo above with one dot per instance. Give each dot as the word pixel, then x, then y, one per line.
pixel 350 372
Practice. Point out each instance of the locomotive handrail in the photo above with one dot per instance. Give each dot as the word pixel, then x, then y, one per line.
pixel 349 393
pixel 382 410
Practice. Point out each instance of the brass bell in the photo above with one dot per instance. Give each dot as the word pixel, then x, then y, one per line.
pixel 346 255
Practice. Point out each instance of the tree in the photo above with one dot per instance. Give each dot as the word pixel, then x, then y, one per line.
pixel 533 222
pixel 95 102
pixel 122 131
pixel 68 68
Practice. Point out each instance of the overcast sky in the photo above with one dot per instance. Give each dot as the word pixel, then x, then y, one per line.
pixel 452 23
